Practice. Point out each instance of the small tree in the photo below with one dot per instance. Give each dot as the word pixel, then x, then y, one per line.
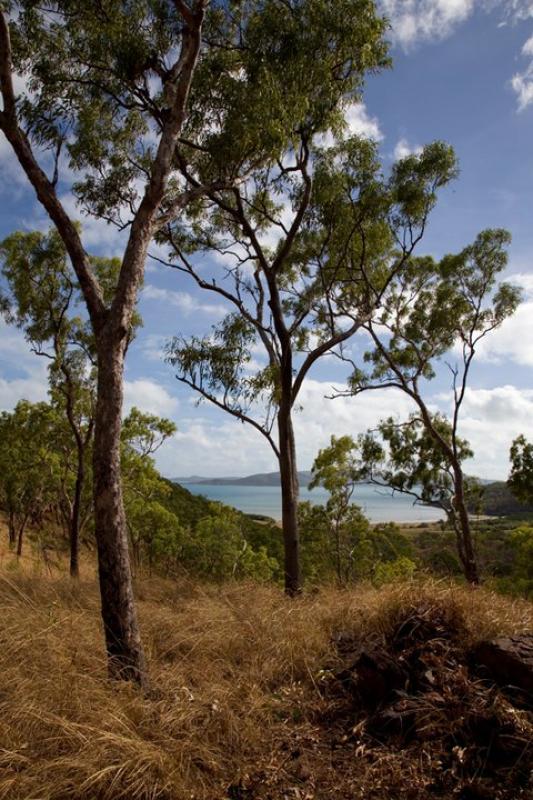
pixel 361 551
pixel 216 549
pixel 435 309
pixel 154 530
pixel 41 299
pixel 26 466
pixel 335 471
pixel 521 478
pixel 405 457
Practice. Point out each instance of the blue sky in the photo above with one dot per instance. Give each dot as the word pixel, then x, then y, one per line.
pixel 463 72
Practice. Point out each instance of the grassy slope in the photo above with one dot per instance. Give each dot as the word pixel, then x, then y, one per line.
pixel 235 674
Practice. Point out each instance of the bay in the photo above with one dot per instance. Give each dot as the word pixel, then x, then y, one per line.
pixel 378 505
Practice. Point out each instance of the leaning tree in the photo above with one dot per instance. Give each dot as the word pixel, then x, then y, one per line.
pixel 435 312
pixel 103 89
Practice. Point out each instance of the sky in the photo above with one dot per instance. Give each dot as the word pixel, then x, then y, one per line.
pixel 463 73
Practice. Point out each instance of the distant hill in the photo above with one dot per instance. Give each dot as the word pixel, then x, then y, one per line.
pixel 259 479
pixel 498 500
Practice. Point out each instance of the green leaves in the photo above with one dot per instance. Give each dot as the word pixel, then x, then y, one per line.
pixel 217 364
pixel 407 457
pixel 27 459
pixel 415 180
pixel 521 478
pixel 433 307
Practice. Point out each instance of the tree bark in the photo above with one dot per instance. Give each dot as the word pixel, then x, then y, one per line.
pixel 289 501
pixel 12 531
pixel 466 553
pixel 20 536
pixel 123 642
pixel 75 518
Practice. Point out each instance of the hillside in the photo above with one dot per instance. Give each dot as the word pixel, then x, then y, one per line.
pixel 498 500
pixel 244 704
pixel 259 479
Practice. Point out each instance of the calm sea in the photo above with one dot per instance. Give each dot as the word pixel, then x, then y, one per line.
pixel 376 504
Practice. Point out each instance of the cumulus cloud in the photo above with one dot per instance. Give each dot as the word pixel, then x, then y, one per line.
pixel 23 375
pixel 416 21
pixel 358 123
pixel 512 341
pixel 149 396
pixel 404 149
pixel 413 21
pixel 224 446
pixel 13 178
pixel 491 419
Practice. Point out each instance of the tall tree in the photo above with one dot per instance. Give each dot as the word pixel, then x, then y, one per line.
pixel 311 244
pixel 109 84
pixel 436 311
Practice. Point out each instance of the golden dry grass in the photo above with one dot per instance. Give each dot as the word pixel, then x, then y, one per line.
pixel 234 670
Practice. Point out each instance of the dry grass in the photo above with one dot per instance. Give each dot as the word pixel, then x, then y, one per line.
pixel 236 674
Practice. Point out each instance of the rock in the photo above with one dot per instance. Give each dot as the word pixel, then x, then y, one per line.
pixel 374 677
pixel 508 661
pixel 396 720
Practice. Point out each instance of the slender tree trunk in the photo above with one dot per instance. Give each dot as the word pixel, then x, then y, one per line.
pixel 122 635
pixel 289 500
pixel 466 552
pixel 20 536
pixel 12 531
pixel 75 518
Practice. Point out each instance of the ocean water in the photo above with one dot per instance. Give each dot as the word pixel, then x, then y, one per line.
pixel 378 505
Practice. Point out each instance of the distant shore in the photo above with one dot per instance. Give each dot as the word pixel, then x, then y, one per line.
pixel 265 501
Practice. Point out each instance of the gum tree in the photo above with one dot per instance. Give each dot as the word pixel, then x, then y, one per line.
pixel 434 312
pixel 406 457
pixel 26 466
pixel 310 243
pixel 40 298
pixel 106 91
pixel 521 478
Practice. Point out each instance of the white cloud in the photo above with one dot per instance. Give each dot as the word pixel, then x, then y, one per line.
pixel 152 346
pixel 522 85
pixel 360 123
pixel 12 176
pixel 404 149
pixel 224 446
pixel 416 21
pixel 490 420
pixel 187 303
pixel 105 237
pixel 413 21
pixel 527 49
pixel 149 396
pixel 23 375
pixel 11 391
pixel 512 341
